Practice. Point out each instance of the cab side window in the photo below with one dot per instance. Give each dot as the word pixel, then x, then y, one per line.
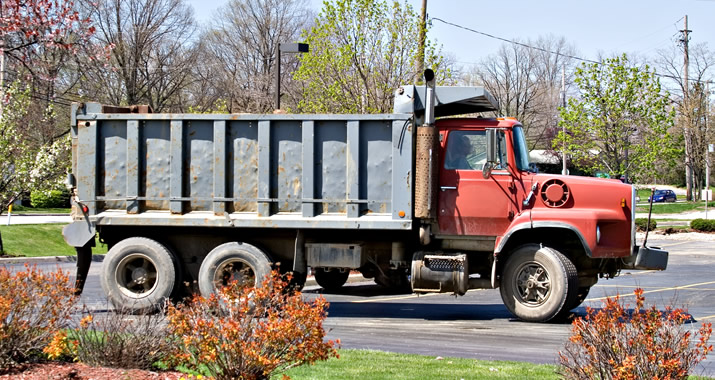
pixel 467 150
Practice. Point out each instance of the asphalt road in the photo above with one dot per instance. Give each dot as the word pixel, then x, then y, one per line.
pixel 478 325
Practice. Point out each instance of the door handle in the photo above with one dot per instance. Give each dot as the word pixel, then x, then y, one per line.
pixel 443 188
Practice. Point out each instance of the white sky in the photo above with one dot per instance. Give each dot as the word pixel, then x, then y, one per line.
pixel 592 26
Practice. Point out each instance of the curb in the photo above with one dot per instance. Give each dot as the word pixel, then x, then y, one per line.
pixel 46 259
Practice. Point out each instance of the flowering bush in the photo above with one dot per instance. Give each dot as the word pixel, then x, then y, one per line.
pixel 34 306
pixel 614 343
pixel 249 333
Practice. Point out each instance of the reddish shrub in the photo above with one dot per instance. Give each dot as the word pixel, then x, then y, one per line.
pixel 34 306
pixel 250 333
pixel 615 343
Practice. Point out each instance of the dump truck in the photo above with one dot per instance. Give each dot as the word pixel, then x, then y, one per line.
pixel 416 199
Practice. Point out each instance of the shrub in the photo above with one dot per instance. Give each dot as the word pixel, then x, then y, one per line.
pixel 614 343
pixel 34 306
pixel 49 198
pixel 121 340
pixel 249 333
pixel 642 222
pixel 705 225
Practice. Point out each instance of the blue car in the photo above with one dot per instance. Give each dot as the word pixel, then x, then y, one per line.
pixel 663 196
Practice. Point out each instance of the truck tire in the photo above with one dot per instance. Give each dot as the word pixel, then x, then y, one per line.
pixel 331 280
pixel 538 283
pixel 233 261
pixel 580 297
pixel 139 275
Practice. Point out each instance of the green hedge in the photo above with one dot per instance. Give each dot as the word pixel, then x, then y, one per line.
pixel 705 225
pixel 50 199
pixel 642 222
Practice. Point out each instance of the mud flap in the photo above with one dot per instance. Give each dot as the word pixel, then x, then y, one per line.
pixel 647 258
pixel 84 260
pixel 80 234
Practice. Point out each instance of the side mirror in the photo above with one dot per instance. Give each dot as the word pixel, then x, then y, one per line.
pixel 533 168
pixel 491 152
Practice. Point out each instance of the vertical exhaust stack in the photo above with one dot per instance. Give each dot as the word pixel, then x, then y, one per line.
pixel 427 158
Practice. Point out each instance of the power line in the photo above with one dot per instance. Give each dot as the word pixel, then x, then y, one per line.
pixel 514 42
pixel 547 50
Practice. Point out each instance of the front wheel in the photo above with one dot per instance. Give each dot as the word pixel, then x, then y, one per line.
pixel 538 283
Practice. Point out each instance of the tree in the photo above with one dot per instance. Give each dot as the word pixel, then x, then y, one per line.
pixel 361 51
pixel 27 165
pixel 525 78
pixel 621 122
pixel 239 52
pixel 39 39
pixel 30 27
pixel 692 109
pixel 151 55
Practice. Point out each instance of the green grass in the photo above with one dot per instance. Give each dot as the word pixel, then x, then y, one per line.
pixel 675 208
pixel 375 365
pixel 32 240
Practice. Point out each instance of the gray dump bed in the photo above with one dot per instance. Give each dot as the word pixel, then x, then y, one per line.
pixel 221 170
pixel 240 170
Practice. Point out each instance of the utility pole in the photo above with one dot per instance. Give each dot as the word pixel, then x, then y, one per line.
pixel 686 111
pixel 564 171
pixel 707 148
pixel 421 42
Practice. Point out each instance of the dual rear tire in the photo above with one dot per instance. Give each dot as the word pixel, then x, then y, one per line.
pixel 140 274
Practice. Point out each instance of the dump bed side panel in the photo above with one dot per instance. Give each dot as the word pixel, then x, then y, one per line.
pixel 284 171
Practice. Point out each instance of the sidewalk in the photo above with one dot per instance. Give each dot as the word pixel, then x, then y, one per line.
pixel 35 219
pixel 690 215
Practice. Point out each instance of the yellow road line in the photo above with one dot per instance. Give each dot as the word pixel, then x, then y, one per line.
pixel 396 298
pixel 703 318
pixel 655 291
pixel 674 244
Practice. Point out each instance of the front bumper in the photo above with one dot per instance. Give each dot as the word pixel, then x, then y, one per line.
pixel 647 258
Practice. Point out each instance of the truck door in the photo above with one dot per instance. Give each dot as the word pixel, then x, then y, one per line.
pixel 469 204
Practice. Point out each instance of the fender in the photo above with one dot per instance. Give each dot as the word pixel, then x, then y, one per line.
pixel 501 242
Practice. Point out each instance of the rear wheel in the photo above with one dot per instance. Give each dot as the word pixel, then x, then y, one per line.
pixel 139 274
pixel 331 280
pixel 538 283
pixel 230 262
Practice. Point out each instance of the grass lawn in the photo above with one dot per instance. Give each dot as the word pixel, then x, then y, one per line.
pixel 674 208
pixel 375 365
pixel 33 240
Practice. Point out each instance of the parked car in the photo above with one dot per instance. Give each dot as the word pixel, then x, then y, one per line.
pixel 663 196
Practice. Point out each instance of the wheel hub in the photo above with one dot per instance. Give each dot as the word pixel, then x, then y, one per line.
pixel 139 275
pixel 533 284
pixel 136 275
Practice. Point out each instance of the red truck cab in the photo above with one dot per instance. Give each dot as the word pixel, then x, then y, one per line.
pixel 551 236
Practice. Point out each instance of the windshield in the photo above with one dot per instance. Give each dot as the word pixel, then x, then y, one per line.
pixel 520 151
